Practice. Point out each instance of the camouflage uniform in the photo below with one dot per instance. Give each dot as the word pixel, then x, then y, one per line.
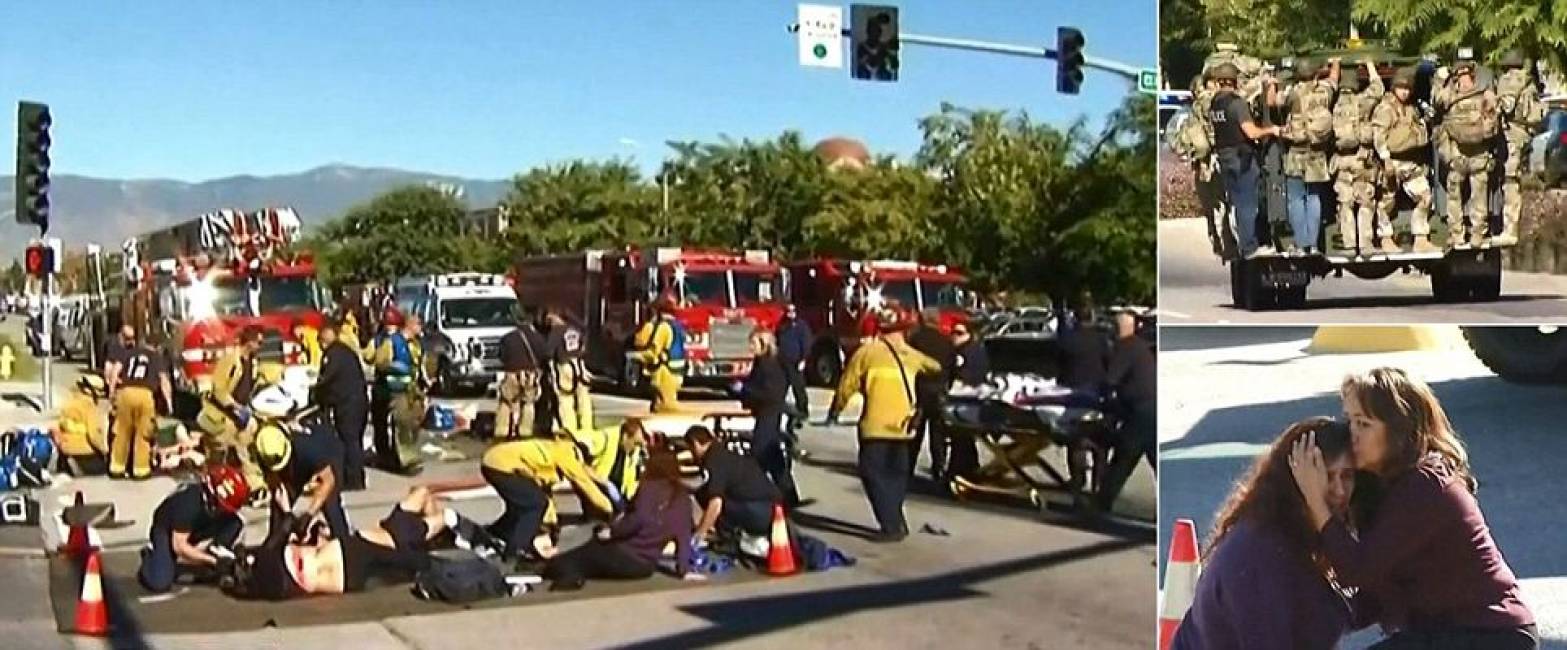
pixel 1405 168
pixel 1309 132
pixel 1468 116
pixel 1356 168
pixel 1522 112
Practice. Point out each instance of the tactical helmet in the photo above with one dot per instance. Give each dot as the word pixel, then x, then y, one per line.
pixel 1512 59
pixel 1225 72
pixel 273 447
pixel 1405 78
pixel 227 488
pixel 1305 69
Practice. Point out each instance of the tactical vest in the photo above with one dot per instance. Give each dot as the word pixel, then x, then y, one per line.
pixel 1406 133
pixel 1311 113
pixel 1352 128
pixel 1520 100
pixel 1467 121
pixel 1194 141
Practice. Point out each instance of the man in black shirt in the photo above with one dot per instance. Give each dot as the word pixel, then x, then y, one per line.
pixel 143 373
pixel 309 459
pixel 194 528
pixel 794 346
pixel 340 390
pixel 1233 133
pixel 523 353
pixel 572 406
pixel 1085 353
pixel 1134 376
pixel 930 392
pixel 736 493
pixel 973 369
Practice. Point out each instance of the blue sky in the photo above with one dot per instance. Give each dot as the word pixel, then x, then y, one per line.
pixel 199 90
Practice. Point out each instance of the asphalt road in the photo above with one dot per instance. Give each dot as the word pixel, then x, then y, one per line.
pixel 1194 288
pixel 1255 381
pixel 1004 577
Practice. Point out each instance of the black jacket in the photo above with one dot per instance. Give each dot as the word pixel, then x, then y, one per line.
pixel 973 363
pixel 932 343
pixel 519 354
pixel 1085 355
pixel 765 387
pixel 342 379
pixel 1134 375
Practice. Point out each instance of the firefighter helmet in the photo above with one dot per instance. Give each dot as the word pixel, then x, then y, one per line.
pixel 273 448
pixel 665 304
pixel 226 487
pixel 392 316
pixel 92 385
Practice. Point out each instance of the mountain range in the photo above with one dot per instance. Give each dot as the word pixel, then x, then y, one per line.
pixel 107 211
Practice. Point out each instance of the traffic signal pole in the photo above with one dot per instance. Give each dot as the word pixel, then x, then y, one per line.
pixel 1130 72
pixel 46 339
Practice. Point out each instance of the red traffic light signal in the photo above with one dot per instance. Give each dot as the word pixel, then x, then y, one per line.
pixel 37 260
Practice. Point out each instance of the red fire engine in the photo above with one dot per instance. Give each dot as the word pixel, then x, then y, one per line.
pixel 722 297
pixel 201 281
pixel 838 298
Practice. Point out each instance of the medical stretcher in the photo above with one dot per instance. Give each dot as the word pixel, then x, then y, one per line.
pixel 1020 431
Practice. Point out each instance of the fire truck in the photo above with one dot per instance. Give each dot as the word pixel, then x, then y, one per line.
pixel 839 298
pixel 201 281
pixel 721 296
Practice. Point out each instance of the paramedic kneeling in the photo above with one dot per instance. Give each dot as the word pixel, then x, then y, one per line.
pixel 735 493
pixel 194 529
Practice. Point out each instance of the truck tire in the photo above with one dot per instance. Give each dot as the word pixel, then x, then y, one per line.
pixel 444 386
pixel 824 367
pixel 1526 355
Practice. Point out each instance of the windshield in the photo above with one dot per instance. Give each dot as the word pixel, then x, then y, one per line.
pixel 753 288
pixel 943 295
pixel 706 287
pixel 278 294
pixel 477 312
pixel 901 291
pixel 225 297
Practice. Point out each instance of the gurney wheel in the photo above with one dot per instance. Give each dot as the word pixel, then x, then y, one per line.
pixel 1037 499
pixel 957 489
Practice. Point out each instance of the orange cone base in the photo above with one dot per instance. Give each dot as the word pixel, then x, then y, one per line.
pixel 1167 628
pixel 780 555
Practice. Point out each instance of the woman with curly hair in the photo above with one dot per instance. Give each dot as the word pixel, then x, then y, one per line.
pixel 1265 583
pixel 1426 556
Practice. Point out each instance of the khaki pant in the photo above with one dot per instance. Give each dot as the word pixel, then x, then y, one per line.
pixel 135 420
pixel 1355 184
pixel 1512 173
pixel 407 412
pixel 225 441
pixel 573 400
pixel 1473 170
pixel 519 395
pixel 666 390
pixel 1410 178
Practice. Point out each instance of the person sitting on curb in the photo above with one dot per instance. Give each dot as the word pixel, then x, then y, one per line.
pixel 194 530
pixel 629 549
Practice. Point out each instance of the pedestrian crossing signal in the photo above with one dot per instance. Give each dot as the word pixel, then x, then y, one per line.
pixel 39 260
pixel 874 37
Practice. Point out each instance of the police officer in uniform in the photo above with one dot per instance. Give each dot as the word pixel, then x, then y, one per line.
pixel 569 374
pixel 143 372
pixel 340 389
pixel 1309 132
pixel 1355 165
pixel 523 354
pixel 1522 112
pixel 1470 122
pixel 1132 374
pixel 1234 133
pixel 1401 140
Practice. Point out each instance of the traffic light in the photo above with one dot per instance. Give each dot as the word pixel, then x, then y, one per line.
pixel 32 165
pixel 39 260
pixel 1069 60
pixel 874 37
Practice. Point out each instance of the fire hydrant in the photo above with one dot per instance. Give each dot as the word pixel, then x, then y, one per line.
pixel 7 358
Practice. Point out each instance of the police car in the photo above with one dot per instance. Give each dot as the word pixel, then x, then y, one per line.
pixel 465 315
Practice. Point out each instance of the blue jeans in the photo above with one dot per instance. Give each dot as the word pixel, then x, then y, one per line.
pixel 1241 187
pixel 1304 205
pixel 159 566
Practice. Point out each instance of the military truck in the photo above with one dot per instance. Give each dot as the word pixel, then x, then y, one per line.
pixel 1522 354
pixel 1278 280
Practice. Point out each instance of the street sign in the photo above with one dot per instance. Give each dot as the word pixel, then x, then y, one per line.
pixel 821 36
pixel 1148 81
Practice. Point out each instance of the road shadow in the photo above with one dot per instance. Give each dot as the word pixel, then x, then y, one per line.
pixel 831 525
pixel 1208 337
pixel 1516 457
pixel 1357 302
pixel 740 619
pixel 23 400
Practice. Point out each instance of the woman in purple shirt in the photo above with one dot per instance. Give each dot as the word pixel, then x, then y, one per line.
pixel 1426 556
pixel 629 549
pixel 1264 583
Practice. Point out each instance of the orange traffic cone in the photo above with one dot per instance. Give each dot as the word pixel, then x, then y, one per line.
pixel 79 541
pixel 92 616
pixel 1180 580
pixel 780 554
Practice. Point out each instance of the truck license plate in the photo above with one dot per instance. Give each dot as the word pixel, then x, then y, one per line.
pixel 1284 278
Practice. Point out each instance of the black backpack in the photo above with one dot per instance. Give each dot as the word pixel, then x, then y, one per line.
pixel 460 576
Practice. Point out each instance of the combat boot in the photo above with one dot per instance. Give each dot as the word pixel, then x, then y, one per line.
pixel 1387 247
pixel 1423 244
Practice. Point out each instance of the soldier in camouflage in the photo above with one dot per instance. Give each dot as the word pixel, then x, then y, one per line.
pixel 1308 130
pixel 1402 143
pixel 1470 120
pixel 1356 168
pixel 1522 112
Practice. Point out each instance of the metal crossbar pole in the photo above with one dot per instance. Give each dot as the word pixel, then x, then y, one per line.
pixel 1031 51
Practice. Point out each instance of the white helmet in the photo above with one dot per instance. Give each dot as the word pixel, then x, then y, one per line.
pixel 272 402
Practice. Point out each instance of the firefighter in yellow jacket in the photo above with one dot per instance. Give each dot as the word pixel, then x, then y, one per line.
pixel 522 473
pixel 883 371
pixel 661 353
pixel 225 409
pixel 79 433
pixel 616 454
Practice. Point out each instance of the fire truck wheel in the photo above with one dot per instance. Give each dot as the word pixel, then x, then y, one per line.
pixel 824 367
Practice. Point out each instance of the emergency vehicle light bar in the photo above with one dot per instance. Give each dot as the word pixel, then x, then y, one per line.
pixel 469 280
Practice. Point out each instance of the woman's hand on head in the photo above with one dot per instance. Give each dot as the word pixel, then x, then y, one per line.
pixel 1311 476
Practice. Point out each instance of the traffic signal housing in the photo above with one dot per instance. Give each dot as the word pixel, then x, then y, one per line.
pixel 874 38
pixel 32 164
pixel 1069 60
pixel 38 261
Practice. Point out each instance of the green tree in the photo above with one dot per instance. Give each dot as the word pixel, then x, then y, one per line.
pixel 578 205
pixel 1536 27
pixel 1188 30
pixel 15 277
pixel 407 230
